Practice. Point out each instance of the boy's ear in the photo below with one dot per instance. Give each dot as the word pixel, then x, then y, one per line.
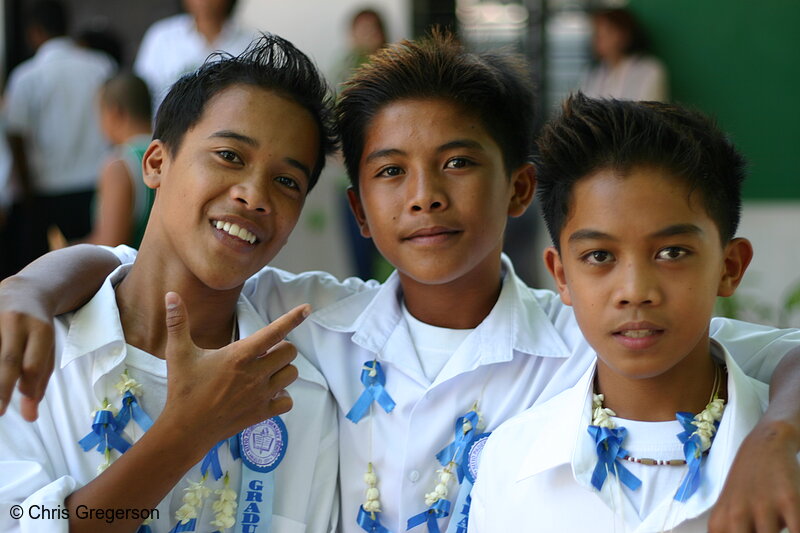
pixel 358 211
pixel 523 181
pixel 153 163
pixel 552 259
pixel 738 254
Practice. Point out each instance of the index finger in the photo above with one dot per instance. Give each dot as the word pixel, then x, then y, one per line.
pixel 262 340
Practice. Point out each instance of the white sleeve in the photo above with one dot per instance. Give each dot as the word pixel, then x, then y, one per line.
pixel 18 108
pixel 756 349
pixel 124 253
pixel 273 292
pixel 27 477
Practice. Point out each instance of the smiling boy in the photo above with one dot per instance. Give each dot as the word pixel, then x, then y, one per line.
pixel 643 278
pixel 437 142
pixel 237 145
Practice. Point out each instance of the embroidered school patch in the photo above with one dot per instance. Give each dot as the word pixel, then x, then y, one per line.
pixel 474 455
pixel 264 444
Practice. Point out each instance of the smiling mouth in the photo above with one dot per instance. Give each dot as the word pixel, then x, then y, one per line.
pixel 431 233
pixel 234 230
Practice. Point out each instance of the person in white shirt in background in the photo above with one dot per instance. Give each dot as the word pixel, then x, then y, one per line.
pixel 188 435
pixel 642 201
pixel 625 69
pixel 173 46
pixel 437 143
pixel 52 126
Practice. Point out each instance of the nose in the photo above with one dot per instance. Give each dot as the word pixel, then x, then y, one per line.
pixel 638 285
pixel 252 194
pixel 426 192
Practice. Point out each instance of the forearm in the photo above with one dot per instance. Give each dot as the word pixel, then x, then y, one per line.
pixel 57 282
pixel 139 479
pixel 782 418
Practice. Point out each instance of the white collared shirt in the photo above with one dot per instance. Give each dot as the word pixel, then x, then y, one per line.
pixel 41 463
pixel 536 469
pixel 172 47
pixel 51 102
pixel 513 359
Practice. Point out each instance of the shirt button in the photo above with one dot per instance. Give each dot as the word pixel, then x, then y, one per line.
pixel 413 476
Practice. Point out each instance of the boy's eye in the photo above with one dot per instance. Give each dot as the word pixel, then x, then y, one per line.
pixel 458 162
pixel 390 172
pixel 286 181
pixel 598 257
pixel 229 156
pixel 671 253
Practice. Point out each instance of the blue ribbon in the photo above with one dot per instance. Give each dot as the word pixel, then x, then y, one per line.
pixel 233 447
pixel 692 451
pixel 186 526
pixel 131 408
pixel 368 523
pixel 374 380
pixel 212 460
pixel 105 434
pixel 455 450
pixel 144 528
pixel 440 509
pixel 608 444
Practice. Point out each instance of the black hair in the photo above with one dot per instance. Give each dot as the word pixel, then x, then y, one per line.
pixel 51 16
pixel 271 63
pixel 129 93
pixel 496 87
pixel 624 21
pixel 597 134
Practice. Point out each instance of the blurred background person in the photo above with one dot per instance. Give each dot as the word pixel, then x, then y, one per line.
pixel 52 127
pixel 179 44
pixel 624 70
pixel 367 35
pixel 123 201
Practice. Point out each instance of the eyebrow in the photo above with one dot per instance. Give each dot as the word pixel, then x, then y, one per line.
pixel 228 134
pixel 458 143
pixel 669 231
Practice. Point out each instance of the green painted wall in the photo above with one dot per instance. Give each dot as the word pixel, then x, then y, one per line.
pixel 738 60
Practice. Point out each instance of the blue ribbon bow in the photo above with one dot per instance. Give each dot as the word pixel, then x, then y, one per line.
pixel 374 381
pixel 692 451
pixel 233 447
pixel 440 509
pixel 105 434
pixel 189 525
pixel 211 460
pixel 455 450
pixel 131 408
pixel 370 522
pixel 608 444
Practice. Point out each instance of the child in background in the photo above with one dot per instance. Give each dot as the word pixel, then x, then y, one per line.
pixel 123 201
pixel 437 143
pixel 642 201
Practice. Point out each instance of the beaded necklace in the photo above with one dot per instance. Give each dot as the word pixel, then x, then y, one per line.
pixel 697 437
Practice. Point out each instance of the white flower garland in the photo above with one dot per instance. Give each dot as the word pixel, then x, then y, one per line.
pixel 372 504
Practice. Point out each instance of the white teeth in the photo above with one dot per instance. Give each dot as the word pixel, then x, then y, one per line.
pixel 637 333
pixel 235 230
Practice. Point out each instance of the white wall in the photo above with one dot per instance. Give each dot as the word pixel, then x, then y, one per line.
pixel 320 29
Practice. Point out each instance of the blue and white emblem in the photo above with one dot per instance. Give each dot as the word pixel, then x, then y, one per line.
pixel 264 445
pixel 474 455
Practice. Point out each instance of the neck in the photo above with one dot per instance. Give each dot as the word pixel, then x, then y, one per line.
pixel 685 387
pixel 209 27
pixel 459 304
pixel 140 298
pixel 133 129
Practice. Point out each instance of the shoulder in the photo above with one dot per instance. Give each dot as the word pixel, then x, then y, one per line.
pixel 167 25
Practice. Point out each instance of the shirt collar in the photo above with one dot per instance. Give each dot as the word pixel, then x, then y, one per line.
pixel 572 444
pixel 96 327
pixel 515 323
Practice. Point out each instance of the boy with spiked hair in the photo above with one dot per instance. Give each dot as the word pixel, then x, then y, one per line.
pixel 437 141
pixel 190 440
pixel 642 201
